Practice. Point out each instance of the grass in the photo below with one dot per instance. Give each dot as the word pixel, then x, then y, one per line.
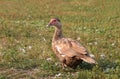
pixel 25 42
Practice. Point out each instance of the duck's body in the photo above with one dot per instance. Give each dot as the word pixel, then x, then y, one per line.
pixel 70 52
pixel 64 52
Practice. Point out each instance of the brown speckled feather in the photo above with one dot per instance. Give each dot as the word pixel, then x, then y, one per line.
pixel 69 47
pixel 69 52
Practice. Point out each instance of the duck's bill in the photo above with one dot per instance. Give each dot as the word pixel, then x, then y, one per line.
pixel 49 25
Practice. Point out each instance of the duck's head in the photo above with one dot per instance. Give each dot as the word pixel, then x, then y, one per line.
pixel 54 22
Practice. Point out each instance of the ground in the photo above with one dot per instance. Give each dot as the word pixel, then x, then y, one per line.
pixel 25 42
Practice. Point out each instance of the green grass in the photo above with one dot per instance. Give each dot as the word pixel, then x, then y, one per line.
pixel 25 42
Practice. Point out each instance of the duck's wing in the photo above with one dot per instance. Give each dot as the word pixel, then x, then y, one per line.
pixel 76 46
pixel 71 48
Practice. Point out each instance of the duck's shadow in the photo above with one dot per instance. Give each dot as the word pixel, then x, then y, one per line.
pixel 85 66
pixel 102 64
pixel 105 64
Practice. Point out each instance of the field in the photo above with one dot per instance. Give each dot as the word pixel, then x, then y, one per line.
pixel 25 42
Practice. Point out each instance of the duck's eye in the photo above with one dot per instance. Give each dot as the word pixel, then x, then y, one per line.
pixel 54 21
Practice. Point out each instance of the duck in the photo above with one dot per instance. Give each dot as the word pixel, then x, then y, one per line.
pixel 70 52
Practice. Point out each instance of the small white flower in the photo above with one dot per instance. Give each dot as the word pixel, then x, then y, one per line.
pixel 91 55
pixel 56 64
pixel 36 70
pixel 113 44
pixel 49 59
pixel 44 39
pixel 90 43
pixel 78 38
pixel 96 30
pixel 22 49
pixel 95 42
pixel 84 28
pixel 17 22
pixel 102 56
pixel 58 75
pixel 17 41
pixel 30 47
pixel 107 69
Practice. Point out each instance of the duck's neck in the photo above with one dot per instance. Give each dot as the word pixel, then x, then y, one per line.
pixel 57 34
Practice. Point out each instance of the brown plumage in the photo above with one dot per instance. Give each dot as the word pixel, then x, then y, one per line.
pixel 70 52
